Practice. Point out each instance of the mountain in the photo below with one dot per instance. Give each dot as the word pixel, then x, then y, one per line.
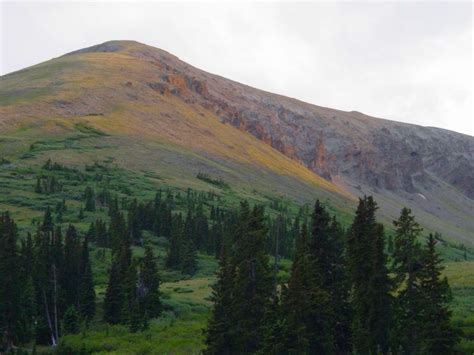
pixel 148 111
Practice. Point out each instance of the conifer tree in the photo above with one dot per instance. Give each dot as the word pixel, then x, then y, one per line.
pixel 220 331
pixel 10 288
pixel 295 301
pixel 188 257
pixel 407 267
pixel 320 324
pixel 114 299
pixel 173 257
pixel 129 286
pixel 48 224
pixel 368 280
pixel 379 295
pixel 89 197
pixel 149 285
pixel 339 288
pixel 86 290
pixel 71 274
pixel 253 279
pixel 438 333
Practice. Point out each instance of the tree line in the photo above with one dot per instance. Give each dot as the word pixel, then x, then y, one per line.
pixel 345 294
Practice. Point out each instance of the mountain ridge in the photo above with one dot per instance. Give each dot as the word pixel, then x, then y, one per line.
pixel 360 154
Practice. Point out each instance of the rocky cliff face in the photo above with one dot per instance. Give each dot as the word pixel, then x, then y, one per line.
pixel 334 144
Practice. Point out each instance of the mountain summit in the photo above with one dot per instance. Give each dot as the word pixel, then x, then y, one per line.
pixel 159 114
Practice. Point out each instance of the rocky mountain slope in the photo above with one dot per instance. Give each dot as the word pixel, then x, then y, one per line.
pixel 132 90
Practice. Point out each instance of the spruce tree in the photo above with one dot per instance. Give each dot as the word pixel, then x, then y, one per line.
pixel 86 290
pixel 10 288
pixel 220 329
pixel 379 295
pixel 295 301
pixel 129 286
pixel 321 262
pixel 369 280
pixel 188 257
pixel 173 257
pixel 253 279
pixel 48 224
pixel 407 267
pixel 71 274
pixel 89 197
pixel 149 285
pixel 114 299
pixel 438 334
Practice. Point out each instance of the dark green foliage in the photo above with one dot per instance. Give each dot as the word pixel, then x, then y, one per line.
pixel 47 225
pixel 11 287
pixel 81 214
pixel 48 185
pixel 188 258
pixel 173 259
pixel 219 332
pixel 114 299
pixel 295 300
pixel 213 181
pixel 438 334
pixel 369 280
pixel 71 321
pixel 86 290
pixel 71 275
pixel 243 291
pixel 38 188
pixel 252 280
pixel 89 197
pixel 380 317
pixel 407 269
pixel 149 286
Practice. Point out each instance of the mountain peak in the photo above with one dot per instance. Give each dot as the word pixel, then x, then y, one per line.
pixel 110 46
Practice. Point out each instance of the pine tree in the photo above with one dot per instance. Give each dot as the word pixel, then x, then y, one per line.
pixel 27 300
pixel 320 326
pixel 295 302
pixel 406 267
pixel 438 334
pixel 71 275
pixel 173 258
pixel 129 286
pixel 10 288
pixel 47 225
pixel 379 295
pixel 114 299
pixel 149 285
pixel 339 288
pixel 369 280
pixel 219 332
pixel 253 279
pixel 86 290
pixel 188 257
pixel 89 197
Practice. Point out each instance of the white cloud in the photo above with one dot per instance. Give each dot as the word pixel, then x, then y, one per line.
pixel 406 61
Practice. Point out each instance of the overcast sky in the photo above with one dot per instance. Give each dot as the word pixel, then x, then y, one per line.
pixel 402 61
